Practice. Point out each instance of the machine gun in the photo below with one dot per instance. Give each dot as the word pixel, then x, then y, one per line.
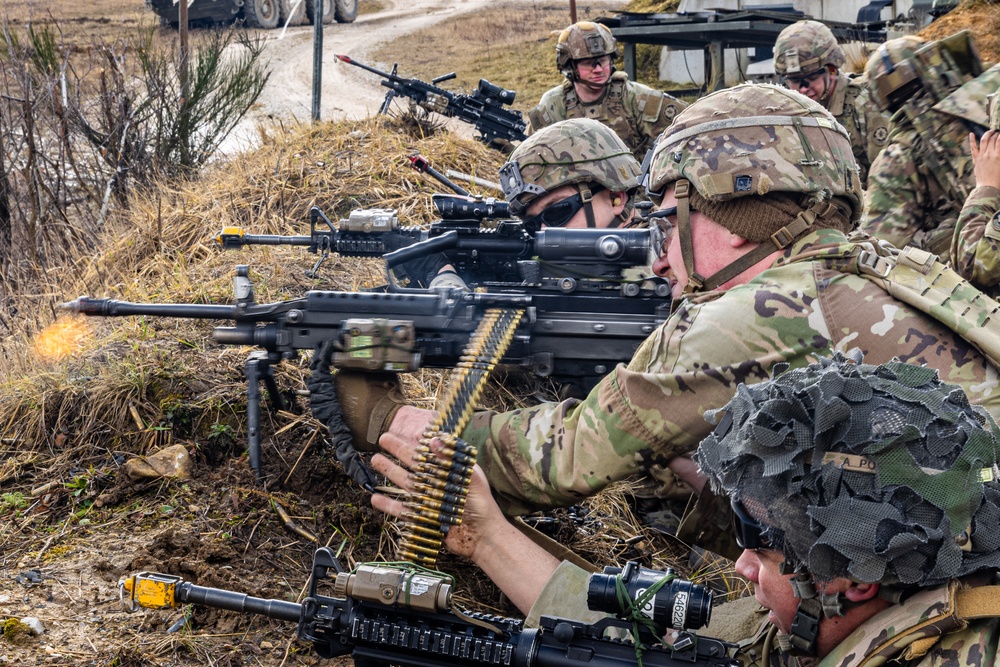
pixel 484 109
pixel 582 315
pixel 384 615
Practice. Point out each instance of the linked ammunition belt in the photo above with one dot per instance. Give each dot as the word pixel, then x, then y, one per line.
pixel 439 483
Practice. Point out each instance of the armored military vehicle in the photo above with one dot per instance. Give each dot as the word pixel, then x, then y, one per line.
pixel 257 13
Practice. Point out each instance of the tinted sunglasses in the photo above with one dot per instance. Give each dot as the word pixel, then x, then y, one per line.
pixel 796 82
pixel 663 228
pixel 558 214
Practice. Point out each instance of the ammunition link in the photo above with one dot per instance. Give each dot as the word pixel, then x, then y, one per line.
pixel 441 480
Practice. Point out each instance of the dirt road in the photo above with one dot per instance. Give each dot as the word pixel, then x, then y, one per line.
pixel 348 92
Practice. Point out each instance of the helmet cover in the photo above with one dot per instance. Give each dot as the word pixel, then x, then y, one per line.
pixel 805 47
pixel 893 72
pixel 579 150
pixel 755 139
pixel 582 40
pixel 880 474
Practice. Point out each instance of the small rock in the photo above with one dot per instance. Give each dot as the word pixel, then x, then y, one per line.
pixel 33 623
pixel 170 462
pixel 266 645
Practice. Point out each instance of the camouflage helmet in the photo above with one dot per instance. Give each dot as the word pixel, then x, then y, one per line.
pixel 755 139
pixel 579 150
pixel 806 47
pixel 582 40
pixel 893 72
pixel 879 474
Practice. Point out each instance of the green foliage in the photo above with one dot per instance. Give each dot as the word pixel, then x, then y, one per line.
pixel 12 502
pixel 224 431
pixel 78 485
pixel 219 91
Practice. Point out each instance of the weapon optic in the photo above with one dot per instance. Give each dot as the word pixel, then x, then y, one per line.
pixel 485 108
pixel 383 614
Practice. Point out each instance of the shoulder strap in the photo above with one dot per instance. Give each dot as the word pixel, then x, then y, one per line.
pixel 915 277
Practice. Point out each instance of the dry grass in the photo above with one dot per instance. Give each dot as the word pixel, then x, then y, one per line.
pixel 81 22
pixel 653 6
pixel 981 17
pixel 131 385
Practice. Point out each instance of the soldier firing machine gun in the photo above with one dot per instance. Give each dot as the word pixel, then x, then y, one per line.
pixel 386 615
pixel 556 303
pixel 484 109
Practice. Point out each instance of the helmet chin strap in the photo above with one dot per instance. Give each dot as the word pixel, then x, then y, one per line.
pixel 813 608
pixel 780 240
pixel 588 204
pixel 828 90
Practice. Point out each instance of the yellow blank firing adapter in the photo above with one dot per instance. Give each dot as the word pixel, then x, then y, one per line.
pixel 228 235
pixel 149 590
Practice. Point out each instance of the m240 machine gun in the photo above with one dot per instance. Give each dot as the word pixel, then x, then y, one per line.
pixel 385 615
pixel 485 109
pixel 582 316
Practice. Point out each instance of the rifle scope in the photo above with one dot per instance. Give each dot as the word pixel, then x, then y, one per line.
pixel 468 208
pixel 679 604
pixel 493 91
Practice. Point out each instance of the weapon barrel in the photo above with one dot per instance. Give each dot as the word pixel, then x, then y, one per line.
pixel 233 601
pixel 265 239
pixel 111 308
pixel 373 70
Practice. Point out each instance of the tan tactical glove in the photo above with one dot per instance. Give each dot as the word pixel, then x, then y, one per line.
pixel 368 402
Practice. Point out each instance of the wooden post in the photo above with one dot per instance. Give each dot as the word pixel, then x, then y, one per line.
pixel 572 11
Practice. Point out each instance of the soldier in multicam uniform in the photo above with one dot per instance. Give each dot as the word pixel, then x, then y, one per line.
pixel 937 95
pixel 867 502
pixel 976 244
pixel 758 188
pixel 585 54
pixel 808 57
pixel 576 173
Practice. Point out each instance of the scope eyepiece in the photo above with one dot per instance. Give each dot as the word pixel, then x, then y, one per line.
pixel 468 208
pixel 679 604
pixel 493 91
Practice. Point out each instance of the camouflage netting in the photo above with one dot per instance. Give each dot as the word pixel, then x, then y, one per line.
pixel 875 473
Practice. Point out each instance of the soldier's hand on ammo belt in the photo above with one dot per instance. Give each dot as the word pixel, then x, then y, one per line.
pixel 368 402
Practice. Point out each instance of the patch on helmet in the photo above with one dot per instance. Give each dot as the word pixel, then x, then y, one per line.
pixel 595 43
pixel 792 61
pixel 880 135
pixel 743 184
pixel 764 184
